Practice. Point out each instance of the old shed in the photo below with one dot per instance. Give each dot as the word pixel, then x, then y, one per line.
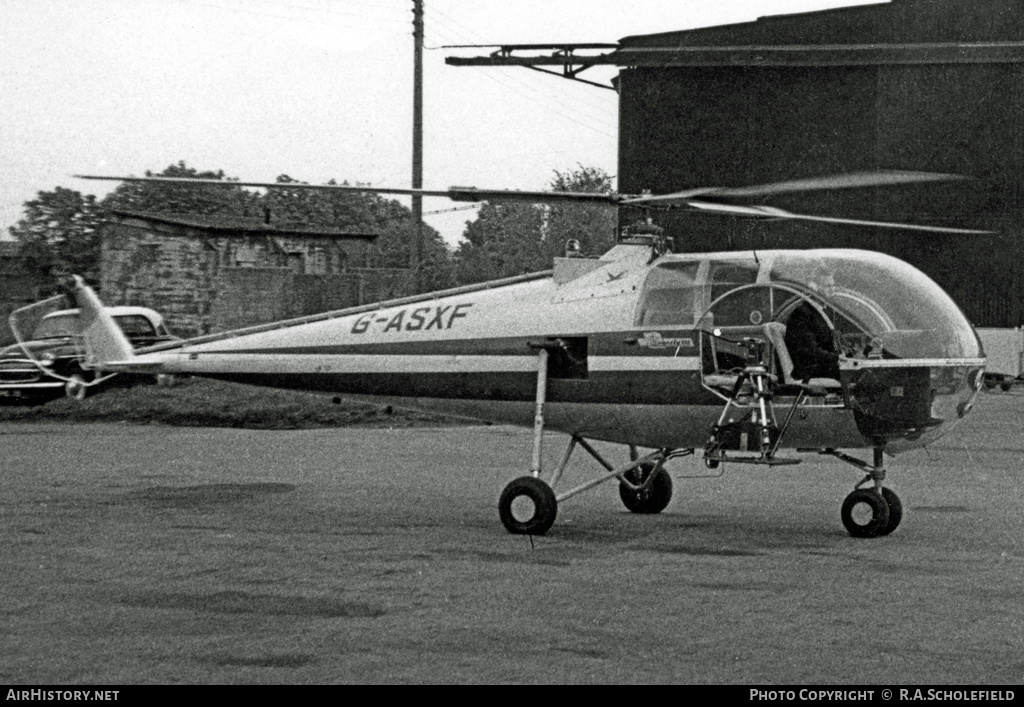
pixel 211 273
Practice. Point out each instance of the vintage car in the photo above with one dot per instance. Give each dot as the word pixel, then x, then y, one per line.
pixel 50 361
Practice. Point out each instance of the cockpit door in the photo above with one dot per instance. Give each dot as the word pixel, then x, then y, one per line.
pixel 746 326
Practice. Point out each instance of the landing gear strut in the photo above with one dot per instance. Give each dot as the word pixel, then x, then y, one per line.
pixel 646 489
pixel 528 505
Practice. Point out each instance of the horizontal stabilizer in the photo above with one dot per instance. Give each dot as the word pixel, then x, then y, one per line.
pixel 104 341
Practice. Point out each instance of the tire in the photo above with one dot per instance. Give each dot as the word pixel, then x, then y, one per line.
pixel 75 387
pixel 654 498
pixel 526 521
pixel 895 510
pixel 861 525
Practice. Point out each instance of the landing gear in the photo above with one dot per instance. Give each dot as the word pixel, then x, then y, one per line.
pixel 527 506
pixel 865 513
pixel 648 490
pixel 895 510
pixel 869 512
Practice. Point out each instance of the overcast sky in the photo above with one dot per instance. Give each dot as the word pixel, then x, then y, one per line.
pixel 316 89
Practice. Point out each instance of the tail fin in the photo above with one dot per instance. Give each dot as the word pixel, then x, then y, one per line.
pixel 104 340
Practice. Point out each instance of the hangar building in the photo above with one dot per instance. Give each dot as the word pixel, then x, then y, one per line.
pixel 933 85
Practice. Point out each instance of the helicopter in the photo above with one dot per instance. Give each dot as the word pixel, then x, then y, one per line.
pixel 670 354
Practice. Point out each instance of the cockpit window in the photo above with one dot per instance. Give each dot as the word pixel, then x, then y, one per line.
pixel 901 311
pixel 728 275
pixel 670 295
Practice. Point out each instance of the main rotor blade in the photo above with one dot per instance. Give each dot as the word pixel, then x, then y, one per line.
pixel 680 198
pixel 674 199
pixel 849 180
pixel 533 197
pixel 453 193
pixel 771 212
pixel 267 185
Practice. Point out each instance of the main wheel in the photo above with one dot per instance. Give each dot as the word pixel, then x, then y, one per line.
pixel 895 510
pixel 527 506
pixel 865 514
pixel 654 497
pixel 75 387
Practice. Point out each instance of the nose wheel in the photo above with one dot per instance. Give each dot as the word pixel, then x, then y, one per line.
pixel 865 513
pixel 870 512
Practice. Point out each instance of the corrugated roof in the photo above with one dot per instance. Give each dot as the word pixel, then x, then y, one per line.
pixel 242 225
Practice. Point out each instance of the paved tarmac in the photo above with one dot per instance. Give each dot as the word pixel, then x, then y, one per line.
pixel 148 554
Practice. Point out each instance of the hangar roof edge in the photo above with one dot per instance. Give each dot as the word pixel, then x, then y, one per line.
pixel 897 22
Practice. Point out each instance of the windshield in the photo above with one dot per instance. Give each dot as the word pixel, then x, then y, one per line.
pixel 54 327
pixel 63 325
pixel 670 296
pixel 904 313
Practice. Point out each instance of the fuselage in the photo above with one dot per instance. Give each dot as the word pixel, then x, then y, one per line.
pixel 640 349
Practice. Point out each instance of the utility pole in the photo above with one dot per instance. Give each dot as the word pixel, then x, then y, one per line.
pixel 416 249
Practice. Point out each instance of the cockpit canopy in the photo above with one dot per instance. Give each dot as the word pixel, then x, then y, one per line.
pixel 875 303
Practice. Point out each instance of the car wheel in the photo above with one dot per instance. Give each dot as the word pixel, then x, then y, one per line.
pixel 75 387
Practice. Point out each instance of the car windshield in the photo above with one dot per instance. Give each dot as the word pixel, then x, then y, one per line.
pixel 63 325
pixel 135 325
pixel 57 326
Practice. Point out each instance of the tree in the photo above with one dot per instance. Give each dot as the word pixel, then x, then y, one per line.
pixel 185 198
pixel 366 213
pixel 513 238
pixel 593 225
pixel 505 239
pixel 344 211
pixel 59 235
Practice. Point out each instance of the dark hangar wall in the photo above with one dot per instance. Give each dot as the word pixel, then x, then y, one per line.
pixel 934 85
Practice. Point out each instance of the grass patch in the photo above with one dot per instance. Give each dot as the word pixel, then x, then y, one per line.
pixel 198 402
